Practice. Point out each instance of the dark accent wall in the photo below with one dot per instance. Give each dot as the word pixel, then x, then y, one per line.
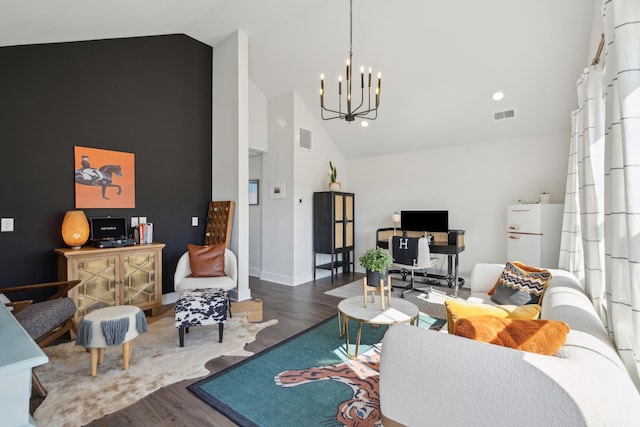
pixel 150 96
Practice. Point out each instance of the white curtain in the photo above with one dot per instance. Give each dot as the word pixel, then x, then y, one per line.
pixel 601 224
pixel 582 242
pixel 622 178
pixel 571 258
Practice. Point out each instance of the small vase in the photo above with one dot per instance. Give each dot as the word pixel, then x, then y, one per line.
pixel 544 198
pixel 335 186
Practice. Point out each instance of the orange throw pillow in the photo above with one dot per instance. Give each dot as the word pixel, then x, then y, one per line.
pixel 206 261
pixel 535 336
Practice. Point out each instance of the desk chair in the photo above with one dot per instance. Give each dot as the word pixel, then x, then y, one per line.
pixel 411 253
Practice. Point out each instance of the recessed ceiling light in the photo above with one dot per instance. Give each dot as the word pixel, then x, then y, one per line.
pixel 497 96
pixel 364 123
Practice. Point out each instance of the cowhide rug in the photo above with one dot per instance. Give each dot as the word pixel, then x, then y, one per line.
pixel 75 399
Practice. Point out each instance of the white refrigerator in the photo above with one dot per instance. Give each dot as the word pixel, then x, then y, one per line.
pixel 533 234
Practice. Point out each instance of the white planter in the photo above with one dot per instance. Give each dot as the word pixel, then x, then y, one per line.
pixel 334 186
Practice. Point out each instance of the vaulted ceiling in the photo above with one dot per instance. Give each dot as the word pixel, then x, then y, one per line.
pixel 440 60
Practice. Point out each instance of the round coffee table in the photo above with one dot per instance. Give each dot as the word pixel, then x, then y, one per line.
pixel 399 311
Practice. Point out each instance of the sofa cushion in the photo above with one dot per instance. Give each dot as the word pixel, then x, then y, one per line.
pixel 536 336
pixel 461 309
pixel 206 261
pixel 520 284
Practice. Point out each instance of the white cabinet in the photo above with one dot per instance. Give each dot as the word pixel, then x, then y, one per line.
pixel 18 355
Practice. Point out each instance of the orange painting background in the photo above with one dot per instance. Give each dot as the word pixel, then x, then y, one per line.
pixel 90 196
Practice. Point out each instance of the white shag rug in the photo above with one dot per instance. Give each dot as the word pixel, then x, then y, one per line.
pixel 75 398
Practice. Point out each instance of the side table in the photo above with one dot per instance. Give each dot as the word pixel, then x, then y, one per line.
pixel 398 311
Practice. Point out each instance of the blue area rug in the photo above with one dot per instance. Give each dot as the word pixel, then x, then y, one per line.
pixel 305 380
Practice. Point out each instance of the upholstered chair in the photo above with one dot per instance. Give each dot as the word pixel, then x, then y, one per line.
pixel 184 278
pixel 45 321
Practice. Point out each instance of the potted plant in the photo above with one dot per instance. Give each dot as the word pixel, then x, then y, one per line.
pixel 376 261
pixel 333 174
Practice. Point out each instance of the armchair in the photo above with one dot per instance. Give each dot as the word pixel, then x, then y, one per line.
pixel 45 321
pixel 182 279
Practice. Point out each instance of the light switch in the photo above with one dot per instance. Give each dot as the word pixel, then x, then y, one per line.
pixel 134 221
pixel 6 225
pixel 142 220
pixel 194 221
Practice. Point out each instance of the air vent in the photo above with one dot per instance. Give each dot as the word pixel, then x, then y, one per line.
pixel 305 139
pixel 502 115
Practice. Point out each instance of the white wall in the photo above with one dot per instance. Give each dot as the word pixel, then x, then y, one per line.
pixel 287 225
pixel 255 218
pixel 257 119
pixel 474 183
pixel 311 170
pixel 277 214
pixel 231 145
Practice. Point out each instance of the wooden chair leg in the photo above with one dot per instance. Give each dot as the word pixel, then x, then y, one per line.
pixel 37 385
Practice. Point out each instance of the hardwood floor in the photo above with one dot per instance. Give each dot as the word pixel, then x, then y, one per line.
pixel 296 308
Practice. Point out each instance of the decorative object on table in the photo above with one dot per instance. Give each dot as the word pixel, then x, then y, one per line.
pixel 276 191
pixel 111 171
pixel 219 223
pixel 396 220
pixel 544 198
pixel 377 262
pixel 75 229
pixel 109 326
pixel 254 194
pixel 363 110
pixel 334 185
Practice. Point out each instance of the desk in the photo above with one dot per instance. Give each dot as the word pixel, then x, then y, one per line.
pixel 450 244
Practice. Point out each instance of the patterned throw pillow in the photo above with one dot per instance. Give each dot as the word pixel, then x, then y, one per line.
pixel 520 284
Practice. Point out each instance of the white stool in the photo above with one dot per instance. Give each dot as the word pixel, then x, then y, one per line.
pixel 110 326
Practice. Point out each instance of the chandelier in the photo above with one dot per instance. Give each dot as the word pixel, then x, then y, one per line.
pixel 351 113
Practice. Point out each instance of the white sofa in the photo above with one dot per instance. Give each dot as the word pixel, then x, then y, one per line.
pixel 182 280
pixel 430 378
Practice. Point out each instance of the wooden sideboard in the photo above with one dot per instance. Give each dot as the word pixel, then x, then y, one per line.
pixel 130 275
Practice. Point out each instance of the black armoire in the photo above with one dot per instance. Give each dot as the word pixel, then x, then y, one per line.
pixel 333 231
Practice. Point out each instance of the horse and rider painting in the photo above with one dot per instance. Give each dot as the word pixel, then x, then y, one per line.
pixel 104 178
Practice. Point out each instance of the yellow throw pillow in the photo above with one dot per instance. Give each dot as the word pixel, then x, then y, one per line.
pixel 536 336
pixel 461 309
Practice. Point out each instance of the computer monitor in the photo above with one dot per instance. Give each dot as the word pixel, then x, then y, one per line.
pixel 433 221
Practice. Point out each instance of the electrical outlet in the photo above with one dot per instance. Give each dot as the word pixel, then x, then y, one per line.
pixel 194 221
pixel 134 221
pixel 6 225
pixel 142 220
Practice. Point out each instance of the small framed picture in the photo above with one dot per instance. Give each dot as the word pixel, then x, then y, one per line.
pixel 276 191
pixel 254 199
